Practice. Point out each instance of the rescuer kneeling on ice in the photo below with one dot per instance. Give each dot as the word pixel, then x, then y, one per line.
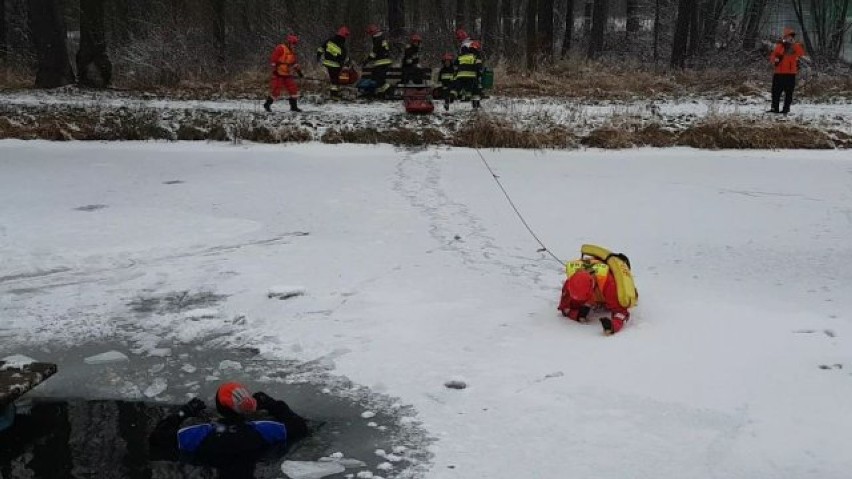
pixel 599 279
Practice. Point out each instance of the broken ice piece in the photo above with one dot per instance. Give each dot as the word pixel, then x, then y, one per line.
pixel 385 466
pixel 188 368
pixel 107 358
pixel 399 449
pixel 228 364
pixel 160 352
pixel 310 470
pixel 156 388
pixel 364 475
pixel 157 368
pixel 381 452
pixel 372 424
pixel 368 414
pixel 16 361
pixel 337 455
pixel 455 384
pixel 285 292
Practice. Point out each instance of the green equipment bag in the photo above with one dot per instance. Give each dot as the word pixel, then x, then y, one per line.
pixel 487 79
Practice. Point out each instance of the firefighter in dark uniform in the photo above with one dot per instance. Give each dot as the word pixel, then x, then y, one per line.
pixel 446 78
pixel 334 57
pixel 411 71
pixel 233 443
pixel 468 75
pixel 379 61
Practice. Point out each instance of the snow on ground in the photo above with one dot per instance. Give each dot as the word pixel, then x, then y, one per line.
pixel 737 363
pixel 580 114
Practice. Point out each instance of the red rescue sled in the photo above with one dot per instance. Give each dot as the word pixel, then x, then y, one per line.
pixel 418 100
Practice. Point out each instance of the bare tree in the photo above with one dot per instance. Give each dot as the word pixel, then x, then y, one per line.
pixel 461 13
pixel 569 28
pixel 507 29
pixel 47 23
pixel 396 19
pixel 599 20
pixel 588 9
pixel 545 29
pixel 830 20
pixel 3 43
pixel 490 27
pixel 532 37
pixel 681 37
pixel 754 12
pixel 632 11
pixel 93 66
pixel 657 7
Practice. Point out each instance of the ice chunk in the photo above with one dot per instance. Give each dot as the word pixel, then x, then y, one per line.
pixel 156 388
pixel 348 463
pixel 385 466
pixel 372 424
pixel 337 455
pixel 160 352
pixel 368 414
pixel 201 313
pixel 228 364
pixel 381 452
pixel 364 475
pixel 393 458
pixel 285 292
pixel 107 358
pixel 399 449
pixel 157 368
pixel 188 368
pixel 310 470
pixel 16 361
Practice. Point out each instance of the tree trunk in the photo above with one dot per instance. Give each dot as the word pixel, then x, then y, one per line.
pixel 809 46
pixel 545 29
pixel 588 8
pixel 490 28
pixel 532 43
pixel 47 24
pixel 93 66
pixel 219 31
pixel 396 19
pixel 632 16
pixel 461 9
pixel 506 26
pixel 569 28
pixel 681 35
pixel 695 27
pixel 751 22
pixel 656 32
pixel 599 20
pixel 3 42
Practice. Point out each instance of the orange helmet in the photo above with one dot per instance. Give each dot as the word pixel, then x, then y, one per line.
pixel 416 38
pixel 373 30
pixel 581 285
pixel 461 35
pixel 293 39
pixel 448 57
pixel 233 398
pixel 343 31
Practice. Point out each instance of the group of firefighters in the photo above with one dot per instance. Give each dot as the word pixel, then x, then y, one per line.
pixel 460 75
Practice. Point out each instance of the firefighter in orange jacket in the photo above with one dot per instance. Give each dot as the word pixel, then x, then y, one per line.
pixel 286 64
pixel 785 57
pixel 592 284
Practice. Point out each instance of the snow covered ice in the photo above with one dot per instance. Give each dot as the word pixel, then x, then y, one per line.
pixel 734 254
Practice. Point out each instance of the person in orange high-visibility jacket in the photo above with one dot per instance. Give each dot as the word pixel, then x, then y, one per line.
pixel 785 57
pixel 285 64
pixel 592 284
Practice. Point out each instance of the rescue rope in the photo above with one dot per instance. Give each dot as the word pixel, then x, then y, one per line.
pixel 544 249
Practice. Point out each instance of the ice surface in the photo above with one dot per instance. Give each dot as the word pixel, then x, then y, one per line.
pixel 201 313
pixel 107 358
pixel 157 387
pixel 733 252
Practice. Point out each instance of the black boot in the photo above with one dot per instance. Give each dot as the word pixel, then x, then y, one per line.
pixel 475 104
pixel 294 105
pixel 268 105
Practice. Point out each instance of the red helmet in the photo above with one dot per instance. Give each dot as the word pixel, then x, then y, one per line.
pixel 789 32
pixel 343 31
pixel 461 35
pixel 233 398
pixel 475 45
pixel 580 286
pixel 416 38
pixel 373 30
pixel 448 57
pixel 293 39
